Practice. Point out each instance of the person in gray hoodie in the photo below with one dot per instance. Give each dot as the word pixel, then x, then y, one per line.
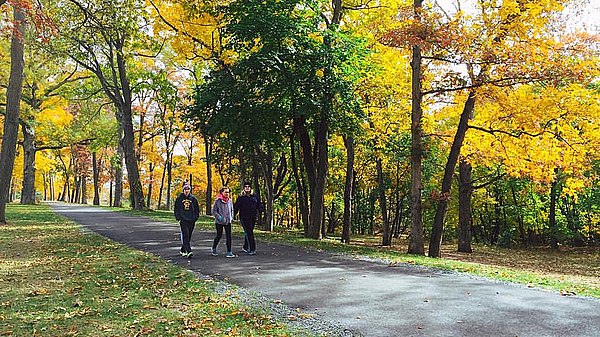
pixel 222 210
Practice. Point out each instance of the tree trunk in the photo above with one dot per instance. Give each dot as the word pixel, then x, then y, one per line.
pixel 169 179
pixel 387 237
pixel 13 101
pixel 162 185
pixel 65 189
pixel 315 165
pixel 348 189
pixel 266 163
pixel 29 151
pixel 552 215
pixel 464 211
pixel 300 186
pixel 51 186
pixel 317 204
pixel 96 174
pixel 110 192
pixel 131 162
pixel 435 242
pixel 332 217
pixel 45 182
pixel 118 170
pixel 84 188
pixel 416 244
pixel 208 193
pixel 150 184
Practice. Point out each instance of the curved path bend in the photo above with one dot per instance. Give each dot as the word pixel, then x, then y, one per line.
pixel 370 299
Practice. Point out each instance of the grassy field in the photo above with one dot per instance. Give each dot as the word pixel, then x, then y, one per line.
pixel 568 271
pixel 59 280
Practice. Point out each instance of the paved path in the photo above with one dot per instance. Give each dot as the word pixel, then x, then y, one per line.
pixel 368 298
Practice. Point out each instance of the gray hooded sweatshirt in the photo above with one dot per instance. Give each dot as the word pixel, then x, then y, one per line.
pixel 222 211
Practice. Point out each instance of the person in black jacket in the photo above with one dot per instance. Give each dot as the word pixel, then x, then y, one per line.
pixel 248 205
pixel 187 212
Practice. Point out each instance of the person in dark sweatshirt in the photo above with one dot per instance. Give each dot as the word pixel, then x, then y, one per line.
pixel 187 212
pixel 248 205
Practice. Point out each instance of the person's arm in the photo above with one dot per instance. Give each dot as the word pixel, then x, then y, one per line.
pixel 177 209
pixel 215 211
pixel 260 206
pixel 231 211
pixel 196 208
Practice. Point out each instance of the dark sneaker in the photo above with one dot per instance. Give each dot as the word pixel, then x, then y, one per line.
pixel 230 254
pixel 183 253
pixel 213 252
pixel 251 252
pixel 190 254
pixel 245 250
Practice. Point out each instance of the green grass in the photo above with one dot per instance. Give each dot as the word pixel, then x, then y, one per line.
pixel 566 272
pixel 60 280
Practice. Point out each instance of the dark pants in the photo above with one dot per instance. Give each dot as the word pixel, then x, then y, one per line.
pixel 187 227
pixel 220 234
pixel 249 242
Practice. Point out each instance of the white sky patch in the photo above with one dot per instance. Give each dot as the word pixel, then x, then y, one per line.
pixel 580 15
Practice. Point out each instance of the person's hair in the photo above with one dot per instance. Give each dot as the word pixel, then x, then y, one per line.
pixel 223 189
pixel 246 183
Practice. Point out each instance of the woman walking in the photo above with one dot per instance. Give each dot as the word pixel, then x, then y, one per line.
pixel 222 210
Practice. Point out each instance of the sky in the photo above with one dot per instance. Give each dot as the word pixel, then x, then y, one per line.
pixel 587 17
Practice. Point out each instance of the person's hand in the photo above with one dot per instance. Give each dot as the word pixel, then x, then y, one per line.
pixel 220 217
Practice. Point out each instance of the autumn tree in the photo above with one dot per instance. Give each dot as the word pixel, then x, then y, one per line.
pixel 107 38
pixel 13 101
pixel 497 46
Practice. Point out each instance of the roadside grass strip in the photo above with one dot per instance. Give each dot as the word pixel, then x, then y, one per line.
pixel 59 280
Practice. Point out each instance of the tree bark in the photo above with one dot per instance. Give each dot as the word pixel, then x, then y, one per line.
pixel 13 100
pixel 416 244
pixel 435 242
pixel 29 151
pixel 84 188
pixel 150 184
pixel 348 189
pixel 135 185
pixel 314 168
pixel 96 174
pixel 118 171
pixel 387 236
pixel 300 186
pixel 464 211
pixel 317 204
pixel 208 193
pixel 552 215
pixel 169 178
pixel 266 164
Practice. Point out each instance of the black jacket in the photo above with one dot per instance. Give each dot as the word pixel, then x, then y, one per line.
pixel 247 206
pixel 186 208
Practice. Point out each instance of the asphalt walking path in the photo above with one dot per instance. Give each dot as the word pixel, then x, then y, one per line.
pixel 368 298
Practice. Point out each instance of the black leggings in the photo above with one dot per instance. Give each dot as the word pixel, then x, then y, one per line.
pixel 187 227
pixel 220 234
